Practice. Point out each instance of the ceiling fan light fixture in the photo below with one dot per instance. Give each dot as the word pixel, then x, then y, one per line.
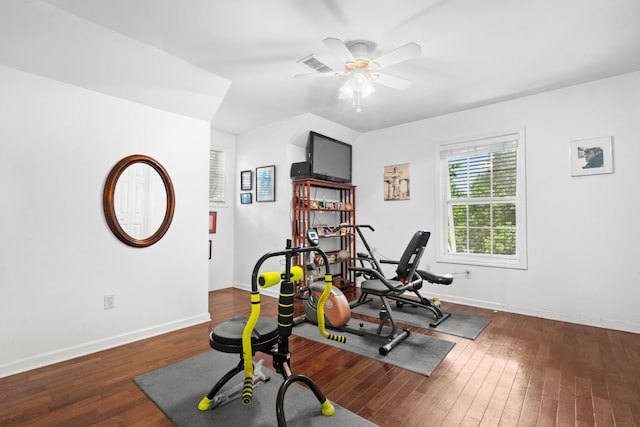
pixel 361 70
pixel 357 87
pixel 368 90
pixel 360 80
pixel 346 90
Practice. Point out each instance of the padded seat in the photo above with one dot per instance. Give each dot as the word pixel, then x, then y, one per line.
pixel 438 279
pixel 378 287
pixel 227 336
pixel 407 279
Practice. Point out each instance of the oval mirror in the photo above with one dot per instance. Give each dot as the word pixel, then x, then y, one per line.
pixel 138 200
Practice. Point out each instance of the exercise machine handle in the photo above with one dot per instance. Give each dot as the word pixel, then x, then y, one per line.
pixel 247 351
pixel 271 278
pixel 356 226
pixel 266 280
pixel 328 283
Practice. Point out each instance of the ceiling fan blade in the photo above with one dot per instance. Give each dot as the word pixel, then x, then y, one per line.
pixel 315 75
pixel 339 49
pixel 403 53
pixel 393 82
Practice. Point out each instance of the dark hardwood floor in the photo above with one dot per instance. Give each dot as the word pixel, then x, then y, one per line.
pixel 521 371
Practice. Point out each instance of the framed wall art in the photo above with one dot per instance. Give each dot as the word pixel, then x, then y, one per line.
pixel 246 198
pixel 246 180
pixel 396 182
pixel 213 219
pixel 592 156
pixel 266 184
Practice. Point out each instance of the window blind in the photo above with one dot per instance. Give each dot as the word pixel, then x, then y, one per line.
pixel 216 175
pixel 479 146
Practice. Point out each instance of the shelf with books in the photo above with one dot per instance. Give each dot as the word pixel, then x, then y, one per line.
pixel 325 205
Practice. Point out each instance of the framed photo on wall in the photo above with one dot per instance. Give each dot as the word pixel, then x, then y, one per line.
pixel 246 180
pixel 592 156
pixel 213 219
pixel 246 198
pixel 266 184
pixel 396 181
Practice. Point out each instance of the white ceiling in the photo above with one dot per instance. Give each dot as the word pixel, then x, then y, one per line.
pixel 473 52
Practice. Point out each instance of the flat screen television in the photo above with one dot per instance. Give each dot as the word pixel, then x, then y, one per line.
pixel 329 159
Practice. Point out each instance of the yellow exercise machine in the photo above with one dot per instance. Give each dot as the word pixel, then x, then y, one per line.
pixel 247 336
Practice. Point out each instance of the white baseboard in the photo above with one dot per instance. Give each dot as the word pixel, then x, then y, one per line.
pixel 546 314
pixel 64 354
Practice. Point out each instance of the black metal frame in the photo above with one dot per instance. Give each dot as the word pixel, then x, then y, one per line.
pixel 369 265
pixel 274 341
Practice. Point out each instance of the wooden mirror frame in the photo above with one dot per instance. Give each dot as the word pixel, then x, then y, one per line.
pixel 108 204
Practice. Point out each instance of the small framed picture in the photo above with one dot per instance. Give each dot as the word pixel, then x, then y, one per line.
pixel 592 156
pixel 246 180
pixel 397 182
pixel 266 184
pixel 245 198
pixel 213 218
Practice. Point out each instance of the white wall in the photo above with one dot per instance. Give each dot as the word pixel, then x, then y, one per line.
pixel 58 258
pixel 582 238
pixel 265 226
pixel 77 98
pixel 222 242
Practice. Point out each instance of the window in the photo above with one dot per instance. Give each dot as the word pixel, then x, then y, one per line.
pixel 216 175
pixel 482 217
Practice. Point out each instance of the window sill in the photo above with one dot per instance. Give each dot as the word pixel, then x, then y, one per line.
pixel 484 260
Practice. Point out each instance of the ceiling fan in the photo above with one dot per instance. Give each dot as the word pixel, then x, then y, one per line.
pixel 360 69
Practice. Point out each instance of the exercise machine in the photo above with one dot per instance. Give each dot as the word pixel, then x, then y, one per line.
pixel 370 269
pixel 338 310
pixel 248 335
pixel 368 264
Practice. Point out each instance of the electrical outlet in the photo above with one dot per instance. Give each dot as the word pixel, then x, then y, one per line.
pixel 109 302
pixel 467 274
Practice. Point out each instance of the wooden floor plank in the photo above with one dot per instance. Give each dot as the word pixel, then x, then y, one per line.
pixel 487 389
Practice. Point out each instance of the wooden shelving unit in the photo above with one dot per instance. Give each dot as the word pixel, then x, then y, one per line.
pixel 324 205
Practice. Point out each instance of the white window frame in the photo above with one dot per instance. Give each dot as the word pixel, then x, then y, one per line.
pixel 218 196
pixel 486 143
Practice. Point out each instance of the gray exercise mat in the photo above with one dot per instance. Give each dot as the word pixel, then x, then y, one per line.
pixel 460 325
pixel 418 353
pixel 177 389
